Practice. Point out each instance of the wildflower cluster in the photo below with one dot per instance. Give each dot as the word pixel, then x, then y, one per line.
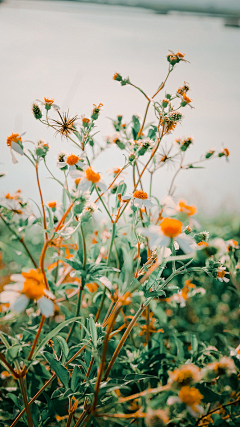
pixel 116 303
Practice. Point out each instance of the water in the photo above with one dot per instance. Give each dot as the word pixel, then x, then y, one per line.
pixel 70 51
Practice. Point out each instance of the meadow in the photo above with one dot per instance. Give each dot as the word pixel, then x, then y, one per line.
pixel 117 306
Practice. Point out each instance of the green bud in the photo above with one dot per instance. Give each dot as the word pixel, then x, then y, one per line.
pixel 36 111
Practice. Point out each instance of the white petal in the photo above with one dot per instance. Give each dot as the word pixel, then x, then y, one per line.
pixel 74 173
pixel 16 147
pixel 138 203
pixel 46 306
pixel 14 287
pixel 185 243
pixel 17 278
pixel 14 160
pixel 61 165
pixel 163 241
pixel 148 203
pixel 102 185
pixel 84 184
pixel 20 303
pixel 173 399
pixel 8 296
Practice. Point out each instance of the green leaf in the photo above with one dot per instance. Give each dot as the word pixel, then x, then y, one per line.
pixel 63 345
pixel 54 332
pixel 61 372
pixel 93 330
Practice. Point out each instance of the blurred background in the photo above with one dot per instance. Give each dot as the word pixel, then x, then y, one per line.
pixel 69 50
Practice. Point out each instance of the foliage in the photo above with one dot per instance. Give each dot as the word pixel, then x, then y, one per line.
pixel 122 309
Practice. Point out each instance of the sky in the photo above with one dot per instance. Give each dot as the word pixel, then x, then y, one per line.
pixel 70 51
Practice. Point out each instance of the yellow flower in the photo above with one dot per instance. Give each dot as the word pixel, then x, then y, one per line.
pixel 186 375
pixel 138 194
pixel 15 137
pixel 171 227
pixel 190 396
pixel 48 101
pixel 52 204
pixel 189 210
pixel 92 176
pixel 72 160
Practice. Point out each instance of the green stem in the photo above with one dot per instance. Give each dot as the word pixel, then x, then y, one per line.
pixel 100 197
pixel 20 239
pixel 78 308
pixel 108 262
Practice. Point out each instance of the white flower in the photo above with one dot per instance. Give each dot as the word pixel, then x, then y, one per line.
pixel 15 143
pixel 140 199
pixel 89 177
pixel 221 274
pixel 168 231
pixel 28 286
pixel 61 159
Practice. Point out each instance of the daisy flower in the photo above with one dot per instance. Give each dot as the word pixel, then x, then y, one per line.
pixel 140 199
pixel 221 273
pixel 48 103
pixel 15 143
pixel 29 286
pixel 73 162
pixel 89 177
pixel 169 231
pixel 192 397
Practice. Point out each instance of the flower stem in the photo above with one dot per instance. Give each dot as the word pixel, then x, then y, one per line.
pixel 25 399
pixel 20 239
pixel 43 208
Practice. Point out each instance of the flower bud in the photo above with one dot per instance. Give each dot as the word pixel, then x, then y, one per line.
pixel 36 111
pixel 117 77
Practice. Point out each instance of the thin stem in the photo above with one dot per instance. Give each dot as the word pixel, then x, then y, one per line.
pixel 78 308
pixel 41 197
pixel 105 207
pixel 25 399
pixel 14 373
pixel 104 353
pixel 108 261
pixel 36 337
pixel 122 340
pixel 124 167
pixel 20 239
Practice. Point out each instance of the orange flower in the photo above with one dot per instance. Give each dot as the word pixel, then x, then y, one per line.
pixel 171 227
pixel 85 120
pixel 77 180
pixel 203 243
pixel 72 159
pixel 52 204
pixel 226 152
pixel 92 176
pixel 48 101
pixel 186 99
pixel 92 287
pixel 189 210
pixel 34 285
pixel 190 396
pixel 180 55
pixel 138 194
pixel 15 137
pixel 186 375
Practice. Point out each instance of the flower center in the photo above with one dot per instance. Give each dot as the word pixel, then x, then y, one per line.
pixel 92 176
pixel 221 274
pixel 52 204
pixel 138 194
pixel 190 396
pixel 203 243
pixel 77 180
pixel 15 137
pixel 171 227
pixel 34 285
pixel 48 101
pixel 189 210
pixel 72 159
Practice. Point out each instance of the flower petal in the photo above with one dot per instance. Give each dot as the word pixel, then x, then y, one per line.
pixel 16 147
pixel 17 278
pixel 185 242
pixel 46 306
pixel 20 303
pixel 8 296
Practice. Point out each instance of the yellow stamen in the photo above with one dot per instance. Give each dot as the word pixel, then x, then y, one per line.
pixel 138 194
pixel 171 227
pixel 72 160
pixel 34 286
pixel 92 176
